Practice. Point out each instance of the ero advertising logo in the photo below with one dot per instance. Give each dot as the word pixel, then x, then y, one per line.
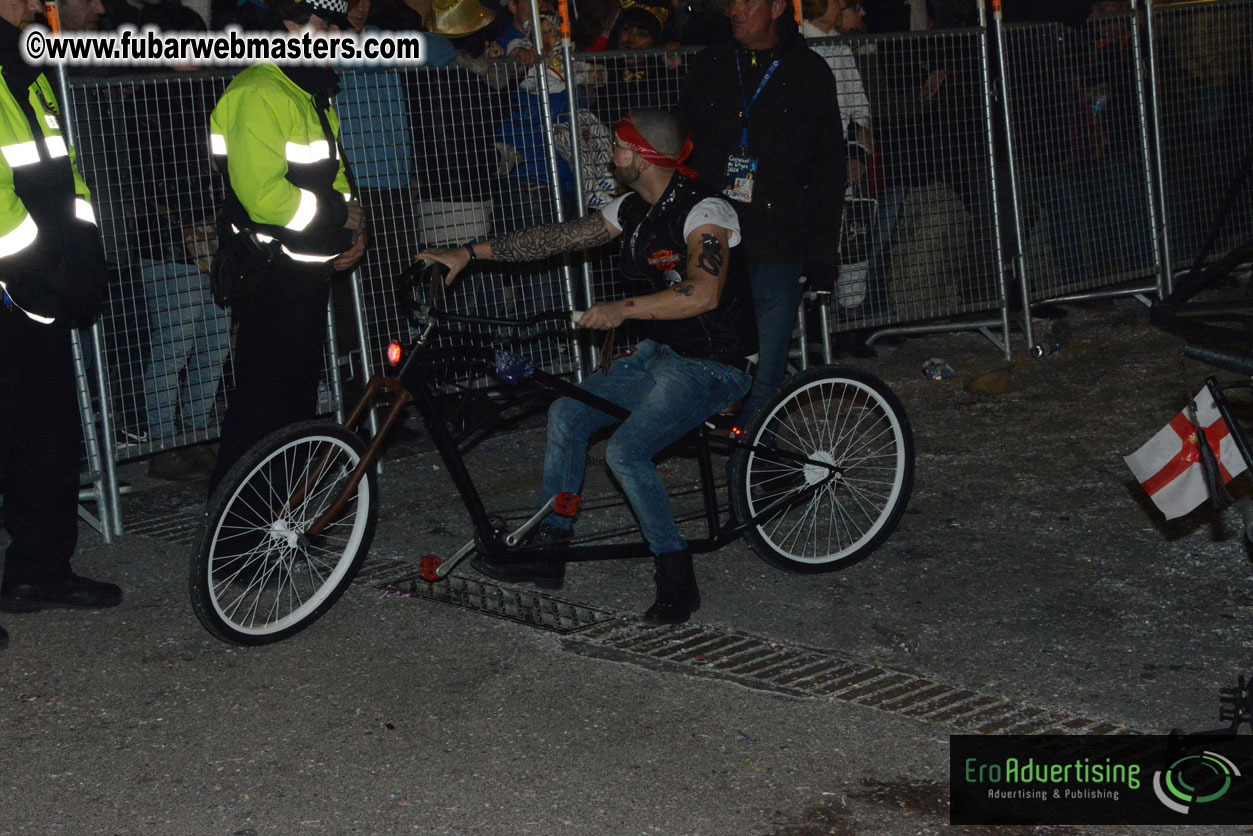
pixel 1193 780
pixel 1110 779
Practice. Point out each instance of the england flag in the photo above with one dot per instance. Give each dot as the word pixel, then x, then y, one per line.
pixel 1169 465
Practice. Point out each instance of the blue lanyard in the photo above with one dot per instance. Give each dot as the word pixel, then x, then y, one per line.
pixel 749 104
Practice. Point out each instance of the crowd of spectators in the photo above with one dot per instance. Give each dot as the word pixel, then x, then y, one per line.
pixel 457 151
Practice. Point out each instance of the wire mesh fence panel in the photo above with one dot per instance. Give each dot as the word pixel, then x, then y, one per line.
pixel 1203 68
pixel 463 159
pixel 142 145
pixel 1078 135
pixel 919 227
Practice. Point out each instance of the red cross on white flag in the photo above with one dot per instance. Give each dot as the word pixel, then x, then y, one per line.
pixel 1169 465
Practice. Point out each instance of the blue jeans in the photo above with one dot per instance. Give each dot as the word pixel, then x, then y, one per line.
pixel 668 396
pixel 777 292
pixel 891 206
pixel 188 331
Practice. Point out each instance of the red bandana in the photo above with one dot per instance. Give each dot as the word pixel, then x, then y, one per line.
pixel 630 136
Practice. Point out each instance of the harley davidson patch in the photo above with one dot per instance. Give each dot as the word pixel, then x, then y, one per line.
pixel 664 260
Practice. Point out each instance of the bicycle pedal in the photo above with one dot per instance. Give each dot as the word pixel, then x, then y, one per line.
pixel 428 567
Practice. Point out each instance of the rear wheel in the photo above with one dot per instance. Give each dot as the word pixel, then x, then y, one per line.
pixel 259 574
pixel 832 464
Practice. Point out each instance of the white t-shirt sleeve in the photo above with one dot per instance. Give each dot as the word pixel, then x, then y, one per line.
pixel 610 210
pixel 716 211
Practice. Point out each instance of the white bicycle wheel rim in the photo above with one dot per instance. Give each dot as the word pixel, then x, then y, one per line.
pixel 308 511
pixel 810 446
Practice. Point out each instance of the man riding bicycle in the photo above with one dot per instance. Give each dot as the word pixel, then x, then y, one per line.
pixel 675 235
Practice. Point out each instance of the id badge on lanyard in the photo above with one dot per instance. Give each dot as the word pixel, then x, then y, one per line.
pixel 741 165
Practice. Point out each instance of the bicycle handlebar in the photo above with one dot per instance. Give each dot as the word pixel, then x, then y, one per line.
pixel 474 319
pixel 1232 362
pixel 415 274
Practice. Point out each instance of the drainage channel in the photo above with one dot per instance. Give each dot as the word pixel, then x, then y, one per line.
pixel 525 606
pixel 701 650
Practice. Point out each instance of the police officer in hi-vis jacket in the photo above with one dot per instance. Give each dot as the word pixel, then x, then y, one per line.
pixel 53 277
pixel 274 136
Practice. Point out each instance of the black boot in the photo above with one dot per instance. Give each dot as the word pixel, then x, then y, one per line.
pixel 677 595
pixel 549 574
pixel 4 639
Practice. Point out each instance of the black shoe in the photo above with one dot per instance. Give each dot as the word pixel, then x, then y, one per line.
pixel 677 595
pixel 547 574
pixel 73 593
pixel 4 639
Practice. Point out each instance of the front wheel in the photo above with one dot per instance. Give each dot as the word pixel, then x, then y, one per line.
pixel 832 465
pixel 260 573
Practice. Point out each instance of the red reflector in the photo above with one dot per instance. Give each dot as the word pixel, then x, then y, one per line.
pixel 736 431
pixel 427 567
pixel 568 504
pixel 393 353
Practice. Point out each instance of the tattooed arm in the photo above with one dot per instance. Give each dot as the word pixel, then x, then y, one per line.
pixel 530 244
pixel 539 242
pixel 698 293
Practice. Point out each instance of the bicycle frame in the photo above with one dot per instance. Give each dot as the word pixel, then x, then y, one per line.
pixel 413 383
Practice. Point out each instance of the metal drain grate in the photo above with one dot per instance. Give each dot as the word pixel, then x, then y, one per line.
pixel 759 663
pixel 520 605
pixel 177 527
pixel 704 651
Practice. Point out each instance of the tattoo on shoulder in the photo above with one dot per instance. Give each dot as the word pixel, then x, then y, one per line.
pixel 551 239
pixel 711 257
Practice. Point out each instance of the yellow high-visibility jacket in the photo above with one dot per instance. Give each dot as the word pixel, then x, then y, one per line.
pixel 285 179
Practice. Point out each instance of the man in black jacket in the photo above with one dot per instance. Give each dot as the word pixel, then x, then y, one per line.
pixel 762 113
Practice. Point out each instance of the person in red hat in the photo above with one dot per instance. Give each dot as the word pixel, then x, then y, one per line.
pixel 674 236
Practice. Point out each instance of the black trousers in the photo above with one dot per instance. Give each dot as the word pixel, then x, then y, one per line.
pixel 278 358
pixel 40 441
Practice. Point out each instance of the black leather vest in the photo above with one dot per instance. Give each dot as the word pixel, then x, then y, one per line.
pixel 654 252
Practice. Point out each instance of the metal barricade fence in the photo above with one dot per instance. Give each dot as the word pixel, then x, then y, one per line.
pixel 1202 78
pixel 924 208
pixel 1078 146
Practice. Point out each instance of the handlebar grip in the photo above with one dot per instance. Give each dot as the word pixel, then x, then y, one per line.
pixel 575 316
pixel 1232 362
